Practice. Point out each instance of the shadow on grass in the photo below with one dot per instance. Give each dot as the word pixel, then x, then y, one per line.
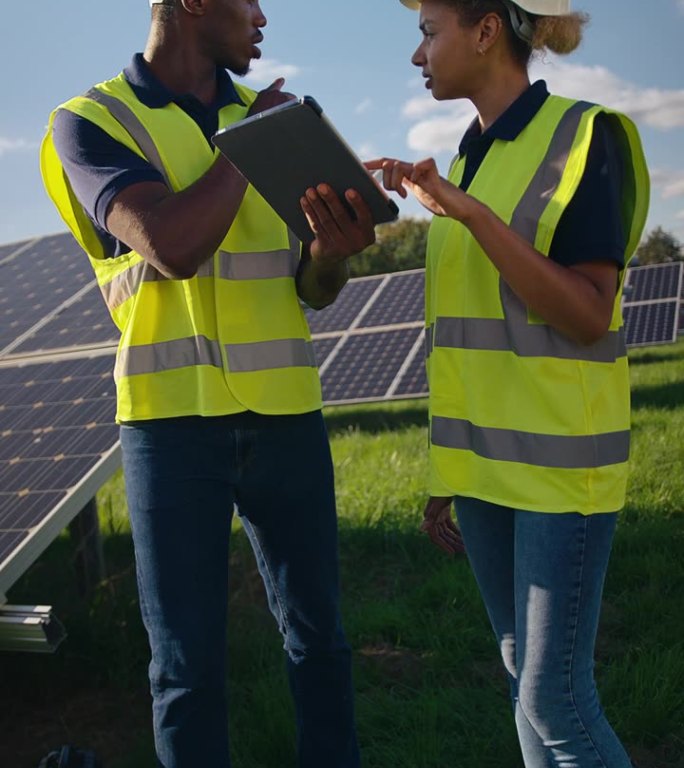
pixel 665 396
pixel 647 358
pixel 430 690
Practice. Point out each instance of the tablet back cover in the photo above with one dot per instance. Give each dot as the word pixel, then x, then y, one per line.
pixel 285 150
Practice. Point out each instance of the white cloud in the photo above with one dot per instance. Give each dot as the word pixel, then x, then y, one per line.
pixel 367 151
pixel 265 71
pixel 420 106
pixel 8 146
pixel 680 215
pixel 670 183
pixel 439 126
pixel 439 134
pixel 363 106
pixel 656 107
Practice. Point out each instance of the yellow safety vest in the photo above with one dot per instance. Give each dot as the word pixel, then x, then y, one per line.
pixel 233 337
pixel 519 414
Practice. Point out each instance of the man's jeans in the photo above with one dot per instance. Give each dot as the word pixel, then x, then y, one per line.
pixel 182 478
pixel 541 578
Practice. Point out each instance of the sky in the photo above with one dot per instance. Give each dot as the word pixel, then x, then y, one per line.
pixel 353 56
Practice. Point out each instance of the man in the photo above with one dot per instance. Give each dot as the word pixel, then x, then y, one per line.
pixel 218 392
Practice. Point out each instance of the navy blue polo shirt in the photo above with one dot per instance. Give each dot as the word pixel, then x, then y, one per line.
pixel 590 228
pixel 99 167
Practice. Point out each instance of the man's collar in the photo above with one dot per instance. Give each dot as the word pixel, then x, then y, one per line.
pixel 154 94
pixel 509 125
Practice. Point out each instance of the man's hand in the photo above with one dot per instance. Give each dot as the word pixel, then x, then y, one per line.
pixel 338 234
pixel 271 97
pixel 440 526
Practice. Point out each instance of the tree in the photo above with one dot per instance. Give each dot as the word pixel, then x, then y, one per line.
pixel 659 247
pixel 400 245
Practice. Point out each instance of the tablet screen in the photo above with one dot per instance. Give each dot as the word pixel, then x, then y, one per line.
pixel 287 149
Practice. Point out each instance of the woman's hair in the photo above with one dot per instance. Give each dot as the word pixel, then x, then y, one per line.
pixel 559 34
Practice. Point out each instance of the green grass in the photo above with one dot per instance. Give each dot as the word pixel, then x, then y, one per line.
pixel 430 691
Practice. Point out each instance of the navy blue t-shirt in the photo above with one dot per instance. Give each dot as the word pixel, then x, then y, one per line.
pixel 99 167
pixel 590 228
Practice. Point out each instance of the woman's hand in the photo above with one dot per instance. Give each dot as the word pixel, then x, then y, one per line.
pixel 432 191
pixel 440 526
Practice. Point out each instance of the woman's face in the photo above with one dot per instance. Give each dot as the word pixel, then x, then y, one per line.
pixel 447 54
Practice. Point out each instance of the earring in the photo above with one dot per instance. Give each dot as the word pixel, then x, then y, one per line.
pixel 481 51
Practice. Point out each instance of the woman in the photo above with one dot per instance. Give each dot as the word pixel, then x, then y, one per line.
pixel 529 392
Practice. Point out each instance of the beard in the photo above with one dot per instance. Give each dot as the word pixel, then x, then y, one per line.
pixel 234 65
pixel 237 69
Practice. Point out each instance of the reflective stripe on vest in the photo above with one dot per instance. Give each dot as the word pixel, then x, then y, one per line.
pixel 429 340
pixel 262 355
pixel 259 265
pixel 567 452
pixel 125 285
pixel 167 355
pixel 128 119
pixel 515 333
pixel 198 350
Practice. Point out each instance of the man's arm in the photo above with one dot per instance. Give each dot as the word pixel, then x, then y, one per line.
pixel 177 232
pixel 319 284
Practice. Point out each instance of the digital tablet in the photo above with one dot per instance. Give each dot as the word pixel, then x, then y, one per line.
pixel 284 150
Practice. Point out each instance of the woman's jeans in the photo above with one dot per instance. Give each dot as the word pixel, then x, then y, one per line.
pixel 182 478
pixel 541 578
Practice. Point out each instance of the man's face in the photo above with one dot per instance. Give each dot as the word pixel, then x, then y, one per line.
pixel 232 32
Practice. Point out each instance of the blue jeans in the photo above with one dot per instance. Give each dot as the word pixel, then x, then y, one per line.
pixel 182 478
pixel 541 578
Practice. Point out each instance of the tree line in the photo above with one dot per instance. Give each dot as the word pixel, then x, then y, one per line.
pixel 400 245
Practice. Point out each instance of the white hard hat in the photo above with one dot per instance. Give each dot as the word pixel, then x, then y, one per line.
pixel 538 7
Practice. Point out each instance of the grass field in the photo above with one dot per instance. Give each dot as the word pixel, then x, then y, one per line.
pixel 430 692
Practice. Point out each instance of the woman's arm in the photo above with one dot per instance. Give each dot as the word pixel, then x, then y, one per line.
pixel 577 301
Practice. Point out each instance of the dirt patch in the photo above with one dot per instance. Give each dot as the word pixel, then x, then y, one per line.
pixel 105 721
pixel 392 664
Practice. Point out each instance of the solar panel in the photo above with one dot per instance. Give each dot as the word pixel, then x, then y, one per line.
pixel 58 440
pixel 413 382
pixel 366 365
pixel 401 301
pixel 47 274
pixel 82 322
pixel 323 346
pixel 652 282
pixel 58 444
pixel 341 314
pixel 11 250
pixel 651 304
pixel 651 323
